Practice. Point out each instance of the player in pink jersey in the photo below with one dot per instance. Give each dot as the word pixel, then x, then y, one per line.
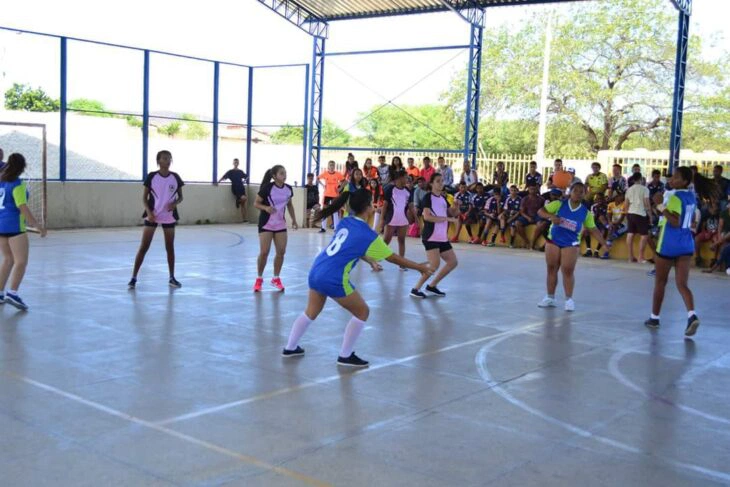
pixel 273 200
pixel 161 197
pixel 397 206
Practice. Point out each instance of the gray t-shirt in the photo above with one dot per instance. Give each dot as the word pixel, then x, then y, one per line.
pixel 384 173
pixel 447 175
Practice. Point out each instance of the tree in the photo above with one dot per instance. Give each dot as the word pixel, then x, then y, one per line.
pixel 192 128
pixel 24 97
pixel 332 135
pixel 420 126
pixel 92 108
pixel 171 129
pixel 611 73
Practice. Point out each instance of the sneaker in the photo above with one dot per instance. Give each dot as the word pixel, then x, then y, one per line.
pixel 415 293
pixel 297 352
pixel 14 300
pixel 174 283
pixel 132 283
pixel 651 273
pixel 322 230
pixel 692 324
pixel 605 256
pixel 511 246
pixel 455 240
pixel 435 291
pixel 652 323
pixel 588 253
pixel 352 361
pixel 547 302
pixel 491 244
pixel 276 282
pixel 485 243
pixel 503 239
pixel 258 284
pixel 596 254
pixel 569 305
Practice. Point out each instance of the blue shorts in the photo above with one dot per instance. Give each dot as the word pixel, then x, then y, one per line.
pixel 326 285
pixel 562 245
pixel 526 223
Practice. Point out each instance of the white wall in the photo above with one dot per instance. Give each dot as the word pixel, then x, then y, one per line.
pixel 100 204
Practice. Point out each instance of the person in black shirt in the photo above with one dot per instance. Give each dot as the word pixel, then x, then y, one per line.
pixel 533 178
pixel 312 199
pixel 724 184
pixel 238 179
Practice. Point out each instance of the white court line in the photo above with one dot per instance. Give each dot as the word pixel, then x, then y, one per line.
pixel 481 363
pixel 333 378
pixel 175 434
pixel 614 369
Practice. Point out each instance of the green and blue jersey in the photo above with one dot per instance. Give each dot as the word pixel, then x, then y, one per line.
pixel 572 221
pixel 13 195
pixel 678 241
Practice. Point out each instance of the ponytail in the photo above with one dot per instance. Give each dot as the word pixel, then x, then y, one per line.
pixel 359 201
pixel 270 173
pixel 707 188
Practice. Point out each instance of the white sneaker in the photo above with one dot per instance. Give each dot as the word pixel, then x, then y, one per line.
pixel 547 302
pixel 569 305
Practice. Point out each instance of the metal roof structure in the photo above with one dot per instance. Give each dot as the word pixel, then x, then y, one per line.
pixel 314 16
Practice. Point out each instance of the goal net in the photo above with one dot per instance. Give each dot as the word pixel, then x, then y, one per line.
pixel 29 139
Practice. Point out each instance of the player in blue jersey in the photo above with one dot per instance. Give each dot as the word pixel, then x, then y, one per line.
pixel 329 276
pixel 568 217
pixel 14 214
pixel 676 245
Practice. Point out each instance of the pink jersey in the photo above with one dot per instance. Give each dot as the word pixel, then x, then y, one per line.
pixel 398 200
pixel 163 191
pixel 278 198
pixel 436 232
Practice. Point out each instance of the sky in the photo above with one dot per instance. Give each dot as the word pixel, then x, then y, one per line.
pixel 246 32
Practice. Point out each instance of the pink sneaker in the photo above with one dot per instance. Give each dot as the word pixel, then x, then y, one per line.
pixel 259 283
pixel 276 282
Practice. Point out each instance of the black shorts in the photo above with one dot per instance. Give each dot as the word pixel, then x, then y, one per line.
pixel 673 258
pixel 263 230
pixel 11 235
pixel 148 223
pixel 328 200
pixel 441 246
pixel 638 224
pixel 238 195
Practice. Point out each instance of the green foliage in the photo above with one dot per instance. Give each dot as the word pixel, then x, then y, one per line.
pixel 91 108
pixel 24 97
pixel 332 135
pixel 171 129
pixel 133 121
pixel 422 126
pixel 193 129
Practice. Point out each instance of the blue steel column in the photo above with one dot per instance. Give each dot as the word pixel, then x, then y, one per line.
pixel 146 115
pixel 249 122
pixel 473 87
pixel 306 163
pixel 680 70
pixel 315 109
pixel 216 85
pixel 63 107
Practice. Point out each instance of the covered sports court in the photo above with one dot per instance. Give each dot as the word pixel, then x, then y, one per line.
pixel 103 386
pixel 187 387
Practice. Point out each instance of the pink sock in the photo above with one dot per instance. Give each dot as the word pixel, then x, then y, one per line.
pixel 297 330
pixel 354 327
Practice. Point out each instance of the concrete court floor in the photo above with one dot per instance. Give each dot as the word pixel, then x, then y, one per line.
pixel 102 386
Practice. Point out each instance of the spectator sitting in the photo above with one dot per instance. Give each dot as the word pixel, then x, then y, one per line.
pixel 724 184
pixel 616 183
pixel 528 216
pixel 368 170
pixel 723 262
pixel 419 192
pixel 600 217
pixel 447 174
pixel 722 239
pixel 636 169
pixel 312 199
pixel 469 177
pixel 533 178
pixel 617 217
pixel 500 178
pixel 492 213
pixel 511 212
pixel 383 171
pixel 463 198
pixel 708 232
pixel 655 185
pixel 597 183
pixel 427 170
pixel 396 164
pixel 638 209
pixel 412 170
pixel 478 202
pixel 557 167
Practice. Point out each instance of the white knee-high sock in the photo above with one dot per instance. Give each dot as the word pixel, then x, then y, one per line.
pixel 376 220
pixel 297 330
pixel 352 332
pixel 324 224
pixel 336 218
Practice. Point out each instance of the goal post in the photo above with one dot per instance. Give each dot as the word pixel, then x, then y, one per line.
pixel 30 140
